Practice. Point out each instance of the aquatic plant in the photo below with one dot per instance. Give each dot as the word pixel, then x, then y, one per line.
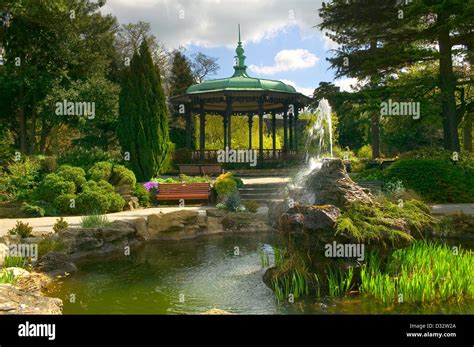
pixel 422 272
pixel 15 261
pixel 339 281
pixel 7 276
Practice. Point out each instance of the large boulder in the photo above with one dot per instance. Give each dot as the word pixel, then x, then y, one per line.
pixel 86 241
pixel 55 264
pixel 173 225
pixel 331 185
pixel 14 300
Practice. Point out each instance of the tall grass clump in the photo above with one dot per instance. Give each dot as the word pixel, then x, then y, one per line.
pixel 94 221
pixel 422 272
pixel 13 261
pixel 7 276
pixel 339 281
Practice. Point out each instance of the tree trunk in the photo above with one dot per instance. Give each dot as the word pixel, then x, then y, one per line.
pixel 22 121
pixel 45 130
pixel 468 132
pixel 447 86
pixel 33 130
pixel 375 132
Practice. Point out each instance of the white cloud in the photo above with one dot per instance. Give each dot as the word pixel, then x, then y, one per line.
pixel 302 90
pixel 213 23
pixel 346 84
pixel 288 60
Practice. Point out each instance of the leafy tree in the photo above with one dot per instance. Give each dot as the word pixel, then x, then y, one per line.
pixel 143 119
pixel 403 33
pixel 203 66
pixel 49 44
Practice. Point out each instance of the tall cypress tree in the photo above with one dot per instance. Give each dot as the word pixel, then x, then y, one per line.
pixel 143 120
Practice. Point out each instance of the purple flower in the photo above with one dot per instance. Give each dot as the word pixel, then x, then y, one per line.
pixel 150 185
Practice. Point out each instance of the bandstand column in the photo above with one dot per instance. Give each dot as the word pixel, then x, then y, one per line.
pixel 274 133
pixel 285 130
pixel 224 121
pixel 229 122
pixel 296 127
pixel 187 117
pixel 260 128
pixel 250 115
pixel 202 130
pixel 290 123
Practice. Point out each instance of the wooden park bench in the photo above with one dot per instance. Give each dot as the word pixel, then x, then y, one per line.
pixel 186 191
pixel 200 169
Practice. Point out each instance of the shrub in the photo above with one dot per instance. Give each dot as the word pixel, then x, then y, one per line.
pixel 225 184
pixel 436 180
pixel 94 221
pixel 85 158
pixel 90 200
pixel 232 202
pixel 50 245
pixel 32 210
pixel 72 174
pixel 21 229
pixel 100 171
pixel 52 186
pixel 122 175
pixel 365 152
pixel 116 202
pixel 142 195
pixel 22 177
pixel 251 206
pixel 48 164
pixel 60 224
pixel 376 223
pixel 63 204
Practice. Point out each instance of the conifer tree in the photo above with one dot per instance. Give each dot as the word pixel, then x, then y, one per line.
pixel 143 119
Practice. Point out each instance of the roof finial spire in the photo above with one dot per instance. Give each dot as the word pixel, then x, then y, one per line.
pixel 239 34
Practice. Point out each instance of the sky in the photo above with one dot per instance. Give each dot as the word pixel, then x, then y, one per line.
pixel 279 36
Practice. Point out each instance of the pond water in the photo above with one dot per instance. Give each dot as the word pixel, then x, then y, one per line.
pixel 193 276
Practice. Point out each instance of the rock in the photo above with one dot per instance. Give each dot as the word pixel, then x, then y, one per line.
pixel 228 222
pixel 141 228
pixel 275 209
pixel 16 301
pixel 34 282
pixel 216 311
pixel 18 271
pixel 4 250
pixel 332 185
pixel 118 230
pixel 178 221
pixel 319 218
pixel 82 242
pixel 55 264
pixel 131 203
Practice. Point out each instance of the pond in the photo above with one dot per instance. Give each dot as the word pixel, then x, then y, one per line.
pixel 193 276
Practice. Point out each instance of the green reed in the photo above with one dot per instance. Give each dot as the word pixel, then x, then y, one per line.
pixel 339 281
pixel 422 272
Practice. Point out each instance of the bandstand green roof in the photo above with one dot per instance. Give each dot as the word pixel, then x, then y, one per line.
pixel 241 87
